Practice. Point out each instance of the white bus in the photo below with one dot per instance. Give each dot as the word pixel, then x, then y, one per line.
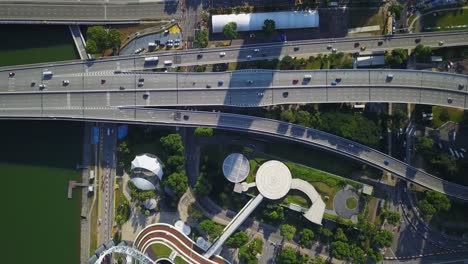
pixel 151 59
pixel 46 73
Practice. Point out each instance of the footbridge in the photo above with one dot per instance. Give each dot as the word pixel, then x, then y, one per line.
pixel 317 209
pixel 249 124
pixel 215 248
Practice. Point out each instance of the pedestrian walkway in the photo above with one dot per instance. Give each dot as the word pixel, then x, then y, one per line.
pixel 79 41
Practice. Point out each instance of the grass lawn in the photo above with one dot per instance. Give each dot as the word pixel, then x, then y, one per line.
pixel 179 260
pixel 296 197
pixel 372 208
pixel 454 114
pixel 160 250
pixel 313 158
pixel 351 203
pixel 363 17
pixel 34 44
pixel 444 20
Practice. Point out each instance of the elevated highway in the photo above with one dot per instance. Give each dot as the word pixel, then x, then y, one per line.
pixel 248 124
pixel 239 53
pixel 85 12
pixel 249 88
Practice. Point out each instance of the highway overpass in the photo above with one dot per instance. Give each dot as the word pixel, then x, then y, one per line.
pixel 266 51
pixel 85 12
pixel 248 124
pixel 247 88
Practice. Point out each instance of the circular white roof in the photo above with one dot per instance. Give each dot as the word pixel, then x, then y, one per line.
pixel 182 227
pixel 273 179
pixel 148 162
pixel 236 167
pixel 143 184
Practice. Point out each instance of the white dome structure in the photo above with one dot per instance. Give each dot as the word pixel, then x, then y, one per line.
pixel 182 227
pixel 273 179
pixel 150 163
pixel 236 167
pixel 150 204
pixel 143 184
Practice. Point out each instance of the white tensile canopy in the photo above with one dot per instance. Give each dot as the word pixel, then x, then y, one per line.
pixel 255 21
pixel 150 163
pixel 143 184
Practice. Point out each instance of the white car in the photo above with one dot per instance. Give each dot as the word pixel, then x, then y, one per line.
pixel 256 50
pixel 42 86
pixel 222 54
pixel 249 57
pixel 138 50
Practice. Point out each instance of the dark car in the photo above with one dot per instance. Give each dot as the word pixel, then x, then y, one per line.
pixel 103 81
pixel 386 162
pixel 11 74
pixel 295 81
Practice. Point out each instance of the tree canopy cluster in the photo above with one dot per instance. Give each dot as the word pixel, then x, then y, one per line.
pixel 289 256
pixel 248 253
pixel 201 38
pixel 439 161
pixel 230 30
pixel 269 26
pixel 395 9
pixel 433 203
pixel 396 58
pixel 211 228
pixel 273 213
pixel 203 132
pixel 422 53
pixel 176 180
pixel 288 231
pixel 237 240
pixel 99 39
pixel 139 195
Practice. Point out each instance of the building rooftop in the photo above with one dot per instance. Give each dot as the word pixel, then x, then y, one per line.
pixel 273 179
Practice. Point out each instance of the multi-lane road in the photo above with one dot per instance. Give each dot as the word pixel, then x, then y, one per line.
pixel 265 51
pixel 248 88
pixel 250 124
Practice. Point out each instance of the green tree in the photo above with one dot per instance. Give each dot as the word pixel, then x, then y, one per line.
pixel 444 162
pixel 357 255
pixel 237 240
pixel 230 30
pixel 374 255
pixel 383 238
pixel 432 203
pixel 99 35
pixel 305 237
pixel 395 9
pixel 424 145
pixel 396 58
pixel 393 218
pixel 201 39
pixel 113 38
pixel 211 228
pixel 288 116
pixel 147 212
pixel 203 132
pixel 422 53
pixel 248 253
pixel 340 250
pixel 325 234
pixel 175 163
pixel 303 118
pixel 91 47
pixel 287 231
pixel 340 235
pixel 287 256
pixel 194 212
pixel 172 144
pixel 444 115
pixel 269 26
pixel 203 186
pixel 177 182
pixel 273 213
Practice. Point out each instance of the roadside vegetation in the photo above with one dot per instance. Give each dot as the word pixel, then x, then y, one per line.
pixel 99 40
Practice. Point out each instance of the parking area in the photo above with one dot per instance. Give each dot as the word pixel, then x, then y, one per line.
pixel 169 39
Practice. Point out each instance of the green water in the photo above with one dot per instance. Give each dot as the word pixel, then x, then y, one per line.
pixel 39 224
pixel 25 44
